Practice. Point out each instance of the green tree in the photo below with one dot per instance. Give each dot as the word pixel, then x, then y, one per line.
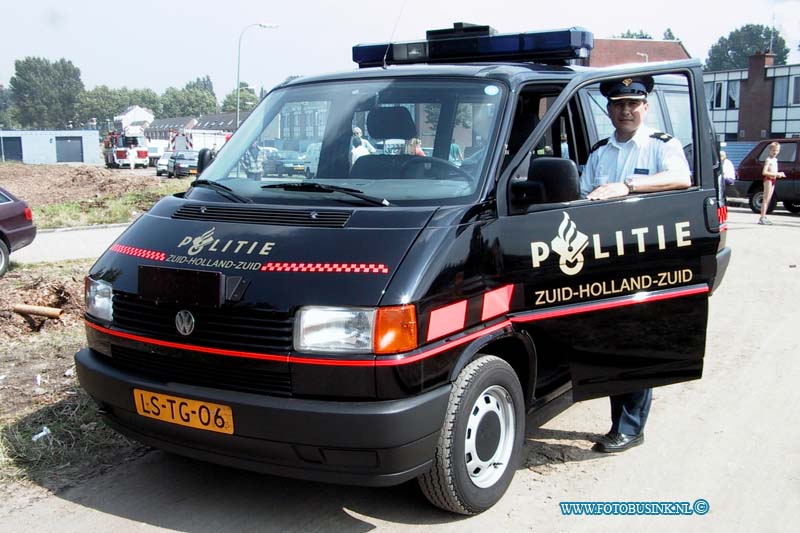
pixel 104 103
pixel 45 93
pixel 6 108
pixel 628 34
pixel 247 99
pixel 203 84
pixel 669 36
pixel 145 98
pixel 463 115
pixel 731 52
pixel 187 103
pixel 101 103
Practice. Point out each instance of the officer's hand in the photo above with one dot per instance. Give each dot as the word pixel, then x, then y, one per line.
pixel 609 190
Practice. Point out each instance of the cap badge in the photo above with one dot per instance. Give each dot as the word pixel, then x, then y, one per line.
pixel 626 82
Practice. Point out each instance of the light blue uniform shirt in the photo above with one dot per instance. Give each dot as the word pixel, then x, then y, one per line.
pixel 642 155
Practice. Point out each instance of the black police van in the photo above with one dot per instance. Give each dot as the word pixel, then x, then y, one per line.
pixel 398 315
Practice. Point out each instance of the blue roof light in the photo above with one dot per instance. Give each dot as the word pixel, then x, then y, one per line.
pixel 470 43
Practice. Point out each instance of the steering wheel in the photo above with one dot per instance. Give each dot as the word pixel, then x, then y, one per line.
pixel 449 170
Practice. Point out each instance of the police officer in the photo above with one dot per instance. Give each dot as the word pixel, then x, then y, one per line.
pixel 635 159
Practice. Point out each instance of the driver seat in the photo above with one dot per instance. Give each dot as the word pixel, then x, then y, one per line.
pixel 386 123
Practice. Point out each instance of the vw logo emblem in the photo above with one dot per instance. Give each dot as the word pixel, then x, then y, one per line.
pixel 184 322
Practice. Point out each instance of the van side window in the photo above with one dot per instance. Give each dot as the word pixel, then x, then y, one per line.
pixel 584 124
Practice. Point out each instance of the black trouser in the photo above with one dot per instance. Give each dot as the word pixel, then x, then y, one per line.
pixel 629 411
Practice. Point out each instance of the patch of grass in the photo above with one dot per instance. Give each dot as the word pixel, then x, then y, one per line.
pixel 77 445
pixel 105 210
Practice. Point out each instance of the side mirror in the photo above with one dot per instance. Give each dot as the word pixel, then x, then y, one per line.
pixel 204 159
pixel 550 180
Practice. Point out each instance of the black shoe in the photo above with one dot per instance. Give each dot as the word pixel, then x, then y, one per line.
pixel 617 442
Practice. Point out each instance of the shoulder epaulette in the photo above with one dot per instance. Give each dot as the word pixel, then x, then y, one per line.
pixel 661 136
pixel 598 144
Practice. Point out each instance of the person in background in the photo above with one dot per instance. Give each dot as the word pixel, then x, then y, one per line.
pixel 455 153
pixel 728 172
pixel 769 175
pixel 414 147
pixel 253 164
pixel 365 143
pixel 357 149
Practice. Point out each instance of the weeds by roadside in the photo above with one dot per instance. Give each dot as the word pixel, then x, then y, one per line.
pixel 105 209
pixel 39 388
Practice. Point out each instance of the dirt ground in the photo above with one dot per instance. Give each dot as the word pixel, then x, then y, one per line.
pixel 38 386
pixel 53 184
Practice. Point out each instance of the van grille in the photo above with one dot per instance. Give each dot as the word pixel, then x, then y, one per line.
pixel 191 368
pixel 254 215
pixel 231 328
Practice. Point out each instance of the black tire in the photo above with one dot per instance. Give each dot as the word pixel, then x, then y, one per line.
pixel 3 258
pixel 792 207
pixel 480 443
pixel 170 174
pixel 757 196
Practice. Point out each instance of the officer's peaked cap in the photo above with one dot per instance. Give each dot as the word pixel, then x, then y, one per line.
pixel 627 88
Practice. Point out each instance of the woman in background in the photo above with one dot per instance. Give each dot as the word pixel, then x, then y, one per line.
pixel 769 174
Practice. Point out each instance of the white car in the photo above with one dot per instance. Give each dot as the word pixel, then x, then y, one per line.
pixel 161 164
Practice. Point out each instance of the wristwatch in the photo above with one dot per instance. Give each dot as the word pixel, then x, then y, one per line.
pixel 629 185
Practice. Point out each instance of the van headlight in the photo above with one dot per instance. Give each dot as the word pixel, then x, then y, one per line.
pixel 99 296
pixel 356 330
pixel 334 329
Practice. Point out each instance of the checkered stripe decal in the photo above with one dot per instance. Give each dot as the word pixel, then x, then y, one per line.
pixel 346 268
pixel 139 252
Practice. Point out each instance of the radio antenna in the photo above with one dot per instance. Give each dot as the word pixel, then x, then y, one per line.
pixel 391 38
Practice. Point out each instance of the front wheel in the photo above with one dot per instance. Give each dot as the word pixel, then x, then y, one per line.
pixel 757 198
pixel 792 207
pixel 480 442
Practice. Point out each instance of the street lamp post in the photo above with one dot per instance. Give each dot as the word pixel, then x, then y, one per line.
pixel 239 60
pixel 2 146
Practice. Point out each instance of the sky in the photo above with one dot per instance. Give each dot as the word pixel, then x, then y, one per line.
pixel 158 44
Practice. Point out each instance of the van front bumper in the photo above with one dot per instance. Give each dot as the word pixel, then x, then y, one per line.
pixel 378 443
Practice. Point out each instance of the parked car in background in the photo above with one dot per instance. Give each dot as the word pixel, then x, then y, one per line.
pixel 163 163
pixel 311 159
pixel 182 163
pixel 787 190
pixel 285 162
pixel 16 226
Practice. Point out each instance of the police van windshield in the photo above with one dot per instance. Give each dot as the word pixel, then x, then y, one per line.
pixel 411 142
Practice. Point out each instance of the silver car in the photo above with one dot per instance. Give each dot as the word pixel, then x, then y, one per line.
pixel 161 164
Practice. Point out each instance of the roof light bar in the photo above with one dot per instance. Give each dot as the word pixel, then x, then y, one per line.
pixel 470 43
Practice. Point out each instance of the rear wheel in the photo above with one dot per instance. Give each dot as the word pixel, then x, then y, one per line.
pixel 480 442
pixel 757 197
pixel 792 207
pixel 3 257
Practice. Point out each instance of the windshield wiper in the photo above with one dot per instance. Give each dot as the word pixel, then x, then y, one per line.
pixel 318 187
pixel 223 190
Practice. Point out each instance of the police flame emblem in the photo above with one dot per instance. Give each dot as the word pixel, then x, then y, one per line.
pixel 184 322
pixel 569 244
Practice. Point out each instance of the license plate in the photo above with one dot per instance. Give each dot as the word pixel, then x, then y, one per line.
pixel 298 167
pixel 192 171
pixel 184 412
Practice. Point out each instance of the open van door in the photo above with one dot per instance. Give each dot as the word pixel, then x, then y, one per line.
pixel 616 288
